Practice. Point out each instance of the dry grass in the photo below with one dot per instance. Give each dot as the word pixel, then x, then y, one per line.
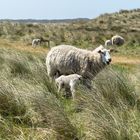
pixel 30 107
pixel 125 60
pixel 4 43
pixel 119 59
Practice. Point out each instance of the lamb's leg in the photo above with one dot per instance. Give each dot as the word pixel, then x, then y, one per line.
pixel 67 92
pixel 33 44
pixel 39 43
pixel 72 88
pixel 73 93
pixel 59 88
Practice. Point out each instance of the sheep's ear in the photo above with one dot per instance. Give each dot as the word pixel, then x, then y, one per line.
pixel 99 51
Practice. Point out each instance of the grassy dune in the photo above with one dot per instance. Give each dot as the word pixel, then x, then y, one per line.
pixel 31 108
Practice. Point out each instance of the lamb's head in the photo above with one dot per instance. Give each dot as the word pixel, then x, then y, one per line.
pixel 77 76
pixel 80 77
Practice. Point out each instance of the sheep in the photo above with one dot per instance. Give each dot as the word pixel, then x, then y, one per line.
pixel 46 40
pixel 117 40
pixel 68 82
pixel 36 42
pixel 108 43
pixel 66 59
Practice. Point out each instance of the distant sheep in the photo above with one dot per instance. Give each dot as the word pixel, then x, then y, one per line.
pixel 117 40
pixel 36 42
pixel 68 82
pixel 66 59
pixel 108 43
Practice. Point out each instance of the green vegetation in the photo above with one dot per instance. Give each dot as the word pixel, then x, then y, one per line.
pixel 82 33
pixel 31 108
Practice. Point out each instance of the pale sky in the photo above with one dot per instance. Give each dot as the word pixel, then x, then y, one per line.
pixel 62 9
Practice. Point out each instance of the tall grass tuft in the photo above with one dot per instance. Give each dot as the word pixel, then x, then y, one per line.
pixel 31 108
pixel 110 111
pixel 29 101
pixel 115 86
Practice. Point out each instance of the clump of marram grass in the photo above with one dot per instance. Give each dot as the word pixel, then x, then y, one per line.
pixel 116 86
pixel 109 110
pixel 10 104
pixel 29 99
pixel 30 106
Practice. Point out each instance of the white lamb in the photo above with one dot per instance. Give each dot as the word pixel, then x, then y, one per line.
pixel 66 59
pixel 68 82
pixel 108 43
pixel 39 41
pixel 36 42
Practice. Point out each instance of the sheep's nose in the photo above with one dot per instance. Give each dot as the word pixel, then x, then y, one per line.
pixel 109 60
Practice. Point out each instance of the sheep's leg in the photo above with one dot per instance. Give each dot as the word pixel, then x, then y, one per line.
pixel 68 93
pixel 73 93
pixel 39 43
pixel 59 87
pixel 33 44
pixel 72 88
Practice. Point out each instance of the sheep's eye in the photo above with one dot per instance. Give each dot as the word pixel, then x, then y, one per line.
pixel 103 53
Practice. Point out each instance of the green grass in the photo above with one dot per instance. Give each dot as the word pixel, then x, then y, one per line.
pixel 84 34
pixel 30 106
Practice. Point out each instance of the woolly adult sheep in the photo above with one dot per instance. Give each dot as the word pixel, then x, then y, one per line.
pixel 68 82
pixel 66 59
pixel 117 40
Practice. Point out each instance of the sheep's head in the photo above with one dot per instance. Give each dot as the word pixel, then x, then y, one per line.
pixel 105 55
